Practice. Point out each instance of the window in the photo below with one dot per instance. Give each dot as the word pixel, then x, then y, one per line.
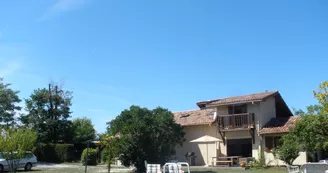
pixel 239 109
pixel 28 155
pixel 272 142
pixel 238 121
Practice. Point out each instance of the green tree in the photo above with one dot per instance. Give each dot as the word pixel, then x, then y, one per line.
pixel 146 135
pixel 298 112
pixel 48 113
pixel 110 149
pixel 311 131
pixel 8 103
pixel 322 95
pixel 310 110
pixel 83 130
pixel 14 143
pixel 288 151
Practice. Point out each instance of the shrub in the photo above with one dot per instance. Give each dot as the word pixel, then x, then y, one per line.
pixel 289 150
pixel 92 156
pixel 260 162
pixel 56 153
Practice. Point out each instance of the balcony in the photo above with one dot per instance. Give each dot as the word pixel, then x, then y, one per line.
pixel 236 122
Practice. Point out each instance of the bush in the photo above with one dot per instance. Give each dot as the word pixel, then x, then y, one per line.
pixel 92 156
pixel 56 153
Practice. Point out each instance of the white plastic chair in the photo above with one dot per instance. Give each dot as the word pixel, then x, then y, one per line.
pixel 173 168
pixel 153 168
pixel 293 169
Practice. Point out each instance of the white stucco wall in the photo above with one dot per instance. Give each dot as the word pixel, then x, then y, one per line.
pixel 272 161
pixel 194 132
pixel 255 109
pixel 222 110
pixel 267 111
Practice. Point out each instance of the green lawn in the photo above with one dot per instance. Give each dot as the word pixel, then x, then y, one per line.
pixel 92 169
pixel 102 168
pixel 269 170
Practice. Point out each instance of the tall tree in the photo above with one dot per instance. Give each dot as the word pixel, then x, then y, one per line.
pixel 322 95
pixel 83 130
pixel 316 109
pixel 48 112
pixel 311 131
pixel 8 103
pixel 298 112
pixel 146 135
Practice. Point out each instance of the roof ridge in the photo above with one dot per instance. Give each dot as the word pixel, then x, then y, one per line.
pixel 263 95
pixel 191 110
pixel 273 91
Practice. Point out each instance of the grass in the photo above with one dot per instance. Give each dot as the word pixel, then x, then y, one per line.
pixel 268 170
pixel 78 168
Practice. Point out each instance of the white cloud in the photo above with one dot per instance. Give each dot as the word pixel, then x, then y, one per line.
pixel 10 68
pixel 62 6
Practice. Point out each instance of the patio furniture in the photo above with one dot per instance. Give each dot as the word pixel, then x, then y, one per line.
pixel 153 168
pixel 184 164
pixel 293 169
pixel 314 168
pixel 226 160
pixel 190 156
pixel 173 168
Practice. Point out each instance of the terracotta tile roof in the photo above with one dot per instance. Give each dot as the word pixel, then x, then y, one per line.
pixel 194 117
pixel 279 125
pixel 237 99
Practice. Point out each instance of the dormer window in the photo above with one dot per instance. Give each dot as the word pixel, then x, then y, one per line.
pixel 184 115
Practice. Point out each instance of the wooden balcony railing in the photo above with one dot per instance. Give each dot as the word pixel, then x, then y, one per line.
pixel 236 121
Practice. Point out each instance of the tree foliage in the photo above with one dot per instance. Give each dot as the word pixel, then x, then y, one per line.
pixel 48 112
pixel 146 135
pixel 110 149
pixel 322 95
pixel 83 130
pixel 8 103
pixel 14 143
pixel 288 151
pixel 311 131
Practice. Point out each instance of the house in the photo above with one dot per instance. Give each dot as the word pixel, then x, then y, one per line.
pixel 246 125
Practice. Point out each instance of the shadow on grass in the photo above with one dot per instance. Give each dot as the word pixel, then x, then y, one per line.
pixel 33 170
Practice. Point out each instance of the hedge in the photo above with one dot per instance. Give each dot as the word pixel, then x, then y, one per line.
pixel 92 156
pixel 56 153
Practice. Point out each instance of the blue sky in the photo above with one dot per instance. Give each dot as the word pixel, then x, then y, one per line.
pixel 114 53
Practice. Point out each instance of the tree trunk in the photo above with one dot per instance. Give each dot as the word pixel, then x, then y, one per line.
pixel 109 166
